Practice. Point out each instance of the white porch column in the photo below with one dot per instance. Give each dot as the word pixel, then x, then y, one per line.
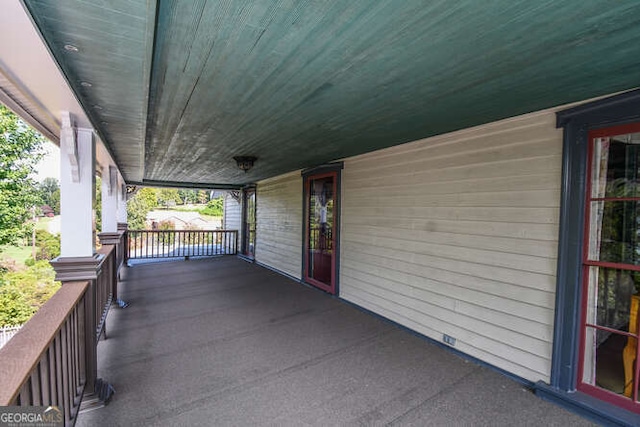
pixel 77 184
pixel 122 203
pixel 109 199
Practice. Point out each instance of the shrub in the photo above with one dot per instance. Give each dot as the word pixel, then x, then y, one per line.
pixel 214 207
pixel 166 225
pixel 47 244
pixel 23 292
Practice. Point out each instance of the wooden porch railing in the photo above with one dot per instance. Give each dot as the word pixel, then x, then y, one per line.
pixel 106 286
pixel 144 244
pixel 52 361
pixel 45 363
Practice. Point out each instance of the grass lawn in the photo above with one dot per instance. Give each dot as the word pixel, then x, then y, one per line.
pixel 17 253
pixel 209 218
pixel 43 223
pixel 187 208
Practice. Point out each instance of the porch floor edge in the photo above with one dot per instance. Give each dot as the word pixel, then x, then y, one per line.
pixel 587 406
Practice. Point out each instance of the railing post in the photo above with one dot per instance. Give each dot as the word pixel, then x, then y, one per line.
pixel 70 269
pixel 116 239
pixel 124 228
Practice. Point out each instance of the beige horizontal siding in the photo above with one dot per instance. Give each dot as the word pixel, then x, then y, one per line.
pixel 457 235
pixel 279 223
pixel 232 214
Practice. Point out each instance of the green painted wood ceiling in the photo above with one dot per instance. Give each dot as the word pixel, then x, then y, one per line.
pixel 179 87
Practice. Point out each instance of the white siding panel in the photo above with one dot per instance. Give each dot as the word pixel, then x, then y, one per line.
pixel 279 223
pixel 232 214
pixel 457 235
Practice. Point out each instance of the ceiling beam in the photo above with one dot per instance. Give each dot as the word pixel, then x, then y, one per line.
pixel 189 185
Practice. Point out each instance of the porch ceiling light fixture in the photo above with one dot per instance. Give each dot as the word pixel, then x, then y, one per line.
pixel 245 162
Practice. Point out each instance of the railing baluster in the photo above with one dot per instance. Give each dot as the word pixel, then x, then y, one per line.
pixel 35 388
pixel 45 378
pixel 74 350
pixel 65 372
pixel 58 357
pixel 51 363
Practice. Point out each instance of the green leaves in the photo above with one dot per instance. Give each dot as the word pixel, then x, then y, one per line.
pixel 139 206
pixel 22 292
pixel 20 151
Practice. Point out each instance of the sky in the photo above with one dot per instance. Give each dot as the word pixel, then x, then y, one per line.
pixel 49 166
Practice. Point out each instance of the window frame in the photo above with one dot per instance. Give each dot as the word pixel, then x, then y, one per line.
pixel 577 122
pixel 600 392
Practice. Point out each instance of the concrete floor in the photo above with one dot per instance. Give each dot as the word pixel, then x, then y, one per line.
pixel 224 342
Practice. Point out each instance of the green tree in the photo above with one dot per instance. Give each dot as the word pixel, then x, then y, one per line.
pixel 47 246
pixel 203 196
pixel 55 202
pixel 168 197
pixel 188 196
pixel 215 207
pixel 14 305
pixel 49 192
pixel 98 204
pixel 20 151
pixel 139 206
pixel 23 292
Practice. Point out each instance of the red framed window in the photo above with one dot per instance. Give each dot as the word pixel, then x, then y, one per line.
pixel 608 362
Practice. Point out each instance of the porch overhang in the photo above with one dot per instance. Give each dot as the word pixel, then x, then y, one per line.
pixel 177 89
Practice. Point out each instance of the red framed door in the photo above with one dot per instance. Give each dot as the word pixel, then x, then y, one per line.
pixel 249 226
pixel 608 363
pixel 320 231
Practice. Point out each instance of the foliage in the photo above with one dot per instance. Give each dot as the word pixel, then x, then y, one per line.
pixel 15 254
pixel 49 193
pixel 98 204
pixel 20 150
pixel 188 196
pixel 14 306
pixel 215 207
pixel 166 225
pixel 22 292
pixel 47 246
pixel 139 206
pixel 55 202
pixel 168 197
pixel 148 199
pixel 203 196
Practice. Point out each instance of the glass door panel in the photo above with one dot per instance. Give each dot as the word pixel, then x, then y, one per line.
pixel 249 223
pixel 320 231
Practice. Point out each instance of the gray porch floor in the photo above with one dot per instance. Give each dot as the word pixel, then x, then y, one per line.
pixel 224 342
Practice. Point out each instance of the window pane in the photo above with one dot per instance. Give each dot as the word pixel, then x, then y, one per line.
pixel 604 362
pixel 610 298
pixel 612 302
pixel 614 232
pixel 616 166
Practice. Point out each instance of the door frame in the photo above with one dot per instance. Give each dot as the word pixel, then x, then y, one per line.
pixel 335 170
pixel 245 231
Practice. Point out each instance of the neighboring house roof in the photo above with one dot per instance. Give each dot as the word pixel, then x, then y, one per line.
pixel 172 216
